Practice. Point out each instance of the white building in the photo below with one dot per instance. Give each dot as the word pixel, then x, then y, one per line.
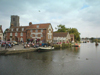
pixel 61 37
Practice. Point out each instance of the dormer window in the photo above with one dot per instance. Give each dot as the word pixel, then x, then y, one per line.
pixel 37 26
pixel 22 29
pixel 12 29
pixel 17 29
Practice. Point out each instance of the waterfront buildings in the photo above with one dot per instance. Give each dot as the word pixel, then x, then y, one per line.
pixel 61 37
pixel 33 32
pixel 1 33
pixel 40 32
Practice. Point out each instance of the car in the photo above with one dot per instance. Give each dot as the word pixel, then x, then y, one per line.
pixel 16 43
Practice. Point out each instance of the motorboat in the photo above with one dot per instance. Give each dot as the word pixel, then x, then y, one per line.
pixel 45 48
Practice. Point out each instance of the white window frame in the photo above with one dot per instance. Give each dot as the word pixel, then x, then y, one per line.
pixel 10 39
pixel 21 34
pixel 31 35
pixel 41 35
pixel 17 29
pixel 12 29
pixel 48 36
pixel 22 29
pixel 10 34
pixel 36 35
pixel 21 39
pixel 37 26
pixel 31 30
pixel 36 30
pixel 41 30
pixel 15 34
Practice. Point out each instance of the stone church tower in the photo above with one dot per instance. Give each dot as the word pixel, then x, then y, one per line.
pixel 14 21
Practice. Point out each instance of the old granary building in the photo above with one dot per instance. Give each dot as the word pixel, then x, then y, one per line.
pixel 35 32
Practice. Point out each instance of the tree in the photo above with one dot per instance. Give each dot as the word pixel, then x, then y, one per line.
pixel 62 28
pixel 75 32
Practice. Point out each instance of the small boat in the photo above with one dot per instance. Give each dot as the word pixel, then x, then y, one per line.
pixel 76 45
pixel 45 48
pixel 96 44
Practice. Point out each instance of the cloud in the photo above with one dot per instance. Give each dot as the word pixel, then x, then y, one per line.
pixel 78 14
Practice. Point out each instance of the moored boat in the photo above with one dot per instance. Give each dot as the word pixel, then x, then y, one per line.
pixel 45 48
pixel 96 44
pixel 76 45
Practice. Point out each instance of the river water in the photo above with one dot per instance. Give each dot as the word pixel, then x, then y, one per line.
pixel 72 61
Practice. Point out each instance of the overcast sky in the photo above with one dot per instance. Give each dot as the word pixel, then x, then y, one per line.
pixel 81 14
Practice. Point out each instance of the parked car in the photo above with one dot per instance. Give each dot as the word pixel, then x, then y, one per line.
pixel 16 43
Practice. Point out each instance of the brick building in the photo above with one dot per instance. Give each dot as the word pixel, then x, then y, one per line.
pixel 16 33
pixel 40 32
pixel 36 32
pixel 1 33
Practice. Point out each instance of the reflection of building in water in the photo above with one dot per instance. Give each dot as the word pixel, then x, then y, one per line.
pixel 42 56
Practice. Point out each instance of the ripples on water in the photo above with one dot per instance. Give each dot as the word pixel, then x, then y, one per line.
pixel 72 61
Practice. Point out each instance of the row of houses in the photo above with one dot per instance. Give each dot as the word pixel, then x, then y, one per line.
pixel 41 33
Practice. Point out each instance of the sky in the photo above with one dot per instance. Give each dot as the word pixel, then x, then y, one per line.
pixel 81 14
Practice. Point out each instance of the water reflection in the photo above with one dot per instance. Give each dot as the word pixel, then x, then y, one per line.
pixel 82 60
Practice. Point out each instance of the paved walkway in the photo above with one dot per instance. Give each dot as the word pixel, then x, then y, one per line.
pixel 16 49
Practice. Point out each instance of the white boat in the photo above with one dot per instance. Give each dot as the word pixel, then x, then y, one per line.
pixel 45 48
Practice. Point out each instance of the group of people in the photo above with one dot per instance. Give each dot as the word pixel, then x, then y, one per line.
pixel 8 45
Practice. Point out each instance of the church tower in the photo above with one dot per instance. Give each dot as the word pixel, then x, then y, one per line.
pixel 14 21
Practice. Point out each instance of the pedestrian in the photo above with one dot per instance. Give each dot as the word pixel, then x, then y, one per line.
pixel 0 46
pixel 6 45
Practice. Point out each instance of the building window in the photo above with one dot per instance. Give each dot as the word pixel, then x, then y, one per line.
pixel 21 39
pixel 12 29
pixel 36 30
pixel 41 35
pixel 31 35
pixel 10 34
pixel 41 30
pixel 37 26
pixel 48 36
pixel 31 31
pixel 10 39
pixel 15 34
pixel 13 19
pixel 17 29
pixel 22 29
pixel 21 34
pixel 35 35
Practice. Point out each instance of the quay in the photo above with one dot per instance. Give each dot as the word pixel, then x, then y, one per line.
pixel 16 49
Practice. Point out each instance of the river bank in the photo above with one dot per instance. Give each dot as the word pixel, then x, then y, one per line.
pixel 16 49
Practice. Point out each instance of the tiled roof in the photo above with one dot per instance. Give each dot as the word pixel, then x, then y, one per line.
pixel 60 34
pixel 41 26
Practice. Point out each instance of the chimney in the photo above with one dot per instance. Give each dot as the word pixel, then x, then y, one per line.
pixel 30 23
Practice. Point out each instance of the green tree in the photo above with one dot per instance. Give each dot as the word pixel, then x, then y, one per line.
pixel 75 32
pixel 61 28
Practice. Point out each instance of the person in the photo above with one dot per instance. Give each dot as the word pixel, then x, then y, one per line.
pixel 6 45
pixel 0 45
